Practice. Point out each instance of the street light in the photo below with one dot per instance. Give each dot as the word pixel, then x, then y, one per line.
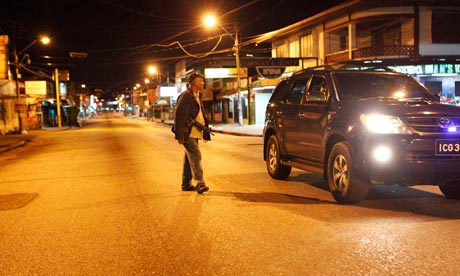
pixel 211 21
pixel 43 40
pixel 152 70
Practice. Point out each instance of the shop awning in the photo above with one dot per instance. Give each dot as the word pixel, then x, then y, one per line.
pixel 160 103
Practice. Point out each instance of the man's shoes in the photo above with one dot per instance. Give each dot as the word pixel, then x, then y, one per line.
pixel 189 188
pixel 202 188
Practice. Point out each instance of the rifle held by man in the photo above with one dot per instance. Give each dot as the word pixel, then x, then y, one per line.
pixel 200 126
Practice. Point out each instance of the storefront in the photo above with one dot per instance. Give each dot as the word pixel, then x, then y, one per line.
pixel 443 79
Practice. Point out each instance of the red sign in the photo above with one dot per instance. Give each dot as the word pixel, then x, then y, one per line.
pixel 20 107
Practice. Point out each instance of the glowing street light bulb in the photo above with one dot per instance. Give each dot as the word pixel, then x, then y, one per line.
pixel 45 40
pixel 210 21
pixel 152 70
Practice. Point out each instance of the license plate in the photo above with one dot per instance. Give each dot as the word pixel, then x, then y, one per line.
pixel 447 147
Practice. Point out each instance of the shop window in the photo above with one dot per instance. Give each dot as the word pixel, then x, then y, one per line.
pixel 218 107
pixel 434 86
pixel 306 46
pixel 282 51
pixel 294 49
pixel 386 36
pixel 337 41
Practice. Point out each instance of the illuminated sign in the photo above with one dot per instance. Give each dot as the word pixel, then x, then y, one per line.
pixel 3 57
pixel 62 89
pixel 222 73
pixel 270 72
pixel 35 87
pixel 271 62
pixel 428 69
pixel 168 91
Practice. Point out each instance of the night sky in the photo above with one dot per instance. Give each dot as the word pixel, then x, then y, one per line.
pixel 122 37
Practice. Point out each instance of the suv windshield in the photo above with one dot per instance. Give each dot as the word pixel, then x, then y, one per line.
pixel 362 85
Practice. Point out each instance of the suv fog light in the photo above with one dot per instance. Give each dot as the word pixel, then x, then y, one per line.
pixel 383 154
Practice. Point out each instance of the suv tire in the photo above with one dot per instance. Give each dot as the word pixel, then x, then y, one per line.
pixel 273 160
pixel 451 190
pixel 344 185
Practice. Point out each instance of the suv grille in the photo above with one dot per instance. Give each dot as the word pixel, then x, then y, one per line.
pixel 427 155
pixel 432 125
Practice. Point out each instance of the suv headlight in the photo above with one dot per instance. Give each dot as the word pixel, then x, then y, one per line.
pixel 384 124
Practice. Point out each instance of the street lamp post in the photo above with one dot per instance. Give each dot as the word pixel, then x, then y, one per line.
pixel 43 40
pixel 154 73
pixel 58 97
pixel 211 21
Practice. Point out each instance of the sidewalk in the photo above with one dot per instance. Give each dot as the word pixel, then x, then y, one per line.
pixel 13 141
pixel 236 129
pixel 233 129
pixel 10 142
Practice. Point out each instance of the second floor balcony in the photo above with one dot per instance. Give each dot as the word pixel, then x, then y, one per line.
pixel 370 52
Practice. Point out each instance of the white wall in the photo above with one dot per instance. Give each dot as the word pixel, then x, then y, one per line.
pixel 427 48
pixel 261 101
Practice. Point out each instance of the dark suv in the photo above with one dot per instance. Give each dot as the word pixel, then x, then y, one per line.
pixel 362 127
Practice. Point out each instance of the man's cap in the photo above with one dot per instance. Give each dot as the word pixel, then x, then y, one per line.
pixel 193 76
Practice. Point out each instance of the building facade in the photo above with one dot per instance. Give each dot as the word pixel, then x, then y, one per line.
pixel 417 37
pixel 420 38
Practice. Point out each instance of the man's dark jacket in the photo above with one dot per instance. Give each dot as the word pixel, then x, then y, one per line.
pixel 187 107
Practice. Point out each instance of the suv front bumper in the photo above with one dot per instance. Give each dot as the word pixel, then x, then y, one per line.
pixel 405 161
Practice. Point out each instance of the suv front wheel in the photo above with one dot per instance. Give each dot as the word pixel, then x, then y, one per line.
pixel 344 186
pixel 273 160
pixel 451 190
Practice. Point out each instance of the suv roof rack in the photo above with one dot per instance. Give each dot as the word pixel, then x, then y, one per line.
pixel 360 66
pixel 347 67
pixel 332 66
pixel 328 67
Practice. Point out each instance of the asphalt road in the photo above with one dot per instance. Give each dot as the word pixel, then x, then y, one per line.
pixel 105 199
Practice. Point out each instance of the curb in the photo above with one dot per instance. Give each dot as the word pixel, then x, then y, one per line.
pixel 236 133
pixel 12 146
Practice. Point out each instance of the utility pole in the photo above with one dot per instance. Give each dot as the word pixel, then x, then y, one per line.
pixel 18 89
pixel 58 97
pixel 238 78
pixel 211 21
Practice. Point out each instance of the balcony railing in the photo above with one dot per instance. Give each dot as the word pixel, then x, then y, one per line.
pixel 400 51
pixel 337 57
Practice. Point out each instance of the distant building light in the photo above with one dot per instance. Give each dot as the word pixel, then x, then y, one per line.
pixel 78 55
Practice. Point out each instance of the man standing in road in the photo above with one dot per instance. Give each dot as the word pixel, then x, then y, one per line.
pixel 189 115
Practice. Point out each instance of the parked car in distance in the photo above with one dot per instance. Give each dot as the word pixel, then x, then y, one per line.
pixel 362 127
